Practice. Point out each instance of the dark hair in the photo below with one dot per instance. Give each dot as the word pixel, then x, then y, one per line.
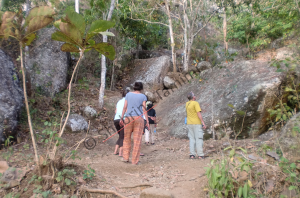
pixel 138 86
pixel 124 92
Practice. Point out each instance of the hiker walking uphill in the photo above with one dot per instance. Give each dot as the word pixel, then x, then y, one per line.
pixel 135 106
pixel 149 134
pixel 195 124
pixel 118 113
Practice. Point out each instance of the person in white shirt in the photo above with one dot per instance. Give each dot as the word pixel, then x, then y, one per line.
pixel 119 109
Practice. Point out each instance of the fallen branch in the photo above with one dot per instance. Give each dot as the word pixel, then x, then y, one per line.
pixel 102 191
pixel 138 185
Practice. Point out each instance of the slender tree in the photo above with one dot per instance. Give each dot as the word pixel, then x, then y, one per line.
pixel 23 30
pixel 103 59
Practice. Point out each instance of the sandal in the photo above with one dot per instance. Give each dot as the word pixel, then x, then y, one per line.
pixel 141 154
pixel 192 156
pixel 152 143
pixel 116 154
pixel 202 157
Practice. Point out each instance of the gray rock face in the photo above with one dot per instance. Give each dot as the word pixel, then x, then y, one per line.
pixel 151 72
pixel 289 138
pixel 150 96
pixel 76 123
pixel 155 193
pixel 89 112
pixel 11 97
pixel 47 64
pixel 169 82
pixel 247 85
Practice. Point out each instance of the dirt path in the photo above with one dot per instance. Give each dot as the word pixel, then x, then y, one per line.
pixel 165 165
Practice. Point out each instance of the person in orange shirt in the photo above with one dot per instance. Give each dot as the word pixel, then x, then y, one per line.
pixel 195 125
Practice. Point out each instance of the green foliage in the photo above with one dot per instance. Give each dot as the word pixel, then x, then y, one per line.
pixel 72 31
pixel 66 176
pixel 148 35
pixel 12 24
pixel 293 175
pixel 290 101
pixel 89 173
pixel 11 5
pixel 84 83
pixel 258 23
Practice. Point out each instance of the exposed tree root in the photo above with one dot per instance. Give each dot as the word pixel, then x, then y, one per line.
pixel 102 191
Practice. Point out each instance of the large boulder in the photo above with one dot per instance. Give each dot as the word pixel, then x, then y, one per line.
pixel 150 72
pixel 11 97
pixel 289 138
pixel 169 82
pixel 248 86
pixel 47 65
pixel 76 123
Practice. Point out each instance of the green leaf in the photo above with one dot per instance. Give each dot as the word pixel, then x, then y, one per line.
pixel 72 32
pixel 230 105
pixel 292 187
pixel 77 20
pixel 60 36
pixel 245 190
pixel 69 48
pixel 284 117
pixel 107 33
pixel 99 26
pixel 37 23
pixel 28 39
pixel 241 112
pixel 240 191
pixel 44 11
pixel 106 49
pixel 7 24
pixel 91 42
pixel 293 165
pixel 242 149
pixel 68 182
pixel 232 152
pixel 56 23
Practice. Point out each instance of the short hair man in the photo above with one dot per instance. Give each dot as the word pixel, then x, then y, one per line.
pixel 195 124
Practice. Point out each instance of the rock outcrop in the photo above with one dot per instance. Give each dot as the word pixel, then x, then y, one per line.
pixel 150 72
pixel 248 86
pixel 11 97
pixel 47 65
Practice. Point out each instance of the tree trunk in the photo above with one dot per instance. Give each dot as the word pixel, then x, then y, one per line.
pixel 103 60
pixel 77 6
pixel 28 112
pixel 185 60
pixel 171 36
pixel 112 77
pixel 225 31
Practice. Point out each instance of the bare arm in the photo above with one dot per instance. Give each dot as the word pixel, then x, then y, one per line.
pixel 145 113
pixel 200 117
pixel 123 112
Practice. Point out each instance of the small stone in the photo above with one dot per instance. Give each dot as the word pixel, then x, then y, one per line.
pixel 155 193
pixel 3 166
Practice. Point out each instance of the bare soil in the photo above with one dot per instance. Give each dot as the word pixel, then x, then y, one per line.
pixel 164 165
